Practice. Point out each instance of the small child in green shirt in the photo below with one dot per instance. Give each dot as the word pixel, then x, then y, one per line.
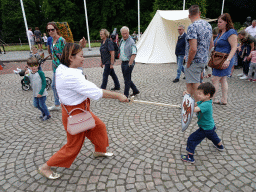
pixel 205 92
pixel 38 84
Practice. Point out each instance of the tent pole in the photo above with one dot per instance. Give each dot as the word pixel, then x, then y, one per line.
pixel 222 7
pixel 184 4
pixel 87 26
pixel 138 19
pixel 25 21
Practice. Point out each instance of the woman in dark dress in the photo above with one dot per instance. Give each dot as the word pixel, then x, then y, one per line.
pixel 107 53
pixel 38 38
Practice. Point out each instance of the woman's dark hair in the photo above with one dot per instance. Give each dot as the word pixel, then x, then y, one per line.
pixel 36 28
pixel 70 49
pixel 54 25
pixel 207 88
pixel 226 17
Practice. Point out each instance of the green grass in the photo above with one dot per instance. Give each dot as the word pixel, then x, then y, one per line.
pixel 26 47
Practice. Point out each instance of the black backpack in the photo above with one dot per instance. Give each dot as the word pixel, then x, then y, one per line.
pixel 116 49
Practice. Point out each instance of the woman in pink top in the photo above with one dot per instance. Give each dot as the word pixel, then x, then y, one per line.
pixel 252 68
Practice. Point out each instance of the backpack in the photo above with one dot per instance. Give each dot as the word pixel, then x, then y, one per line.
pixel 116 49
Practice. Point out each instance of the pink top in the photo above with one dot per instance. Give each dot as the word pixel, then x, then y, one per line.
pixel 253 56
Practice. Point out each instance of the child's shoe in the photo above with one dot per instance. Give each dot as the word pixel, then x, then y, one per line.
pixel 186 158
pixel 41 116
pixel 254 80
pixel 219 147
pixel 250 80
pixel 46 117
pixel 16 72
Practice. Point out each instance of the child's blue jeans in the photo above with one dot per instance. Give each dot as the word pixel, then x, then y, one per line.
pixel 195 138
pixel 39 102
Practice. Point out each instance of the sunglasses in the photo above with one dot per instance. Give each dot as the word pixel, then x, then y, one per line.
pixel 33 65
pixel 50 30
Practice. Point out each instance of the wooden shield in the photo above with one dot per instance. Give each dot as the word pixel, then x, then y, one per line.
pixel 187 110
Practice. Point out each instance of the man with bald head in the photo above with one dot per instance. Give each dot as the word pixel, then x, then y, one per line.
pixel 128 53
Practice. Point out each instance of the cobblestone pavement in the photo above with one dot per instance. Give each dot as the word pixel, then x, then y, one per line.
pixel 146 140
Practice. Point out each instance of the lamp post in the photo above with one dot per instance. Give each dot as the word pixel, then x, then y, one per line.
pixel 222 7
pixel 138 19
pixel 25 21
pixel 87 26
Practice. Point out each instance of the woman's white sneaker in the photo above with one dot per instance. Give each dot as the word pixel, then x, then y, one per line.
pixel 54 108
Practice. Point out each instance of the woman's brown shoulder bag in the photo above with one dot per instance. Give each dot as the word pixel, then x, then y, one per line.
pixel 217 60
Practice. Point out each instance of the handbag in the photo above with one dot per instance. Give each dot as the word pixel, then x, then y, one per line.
pixel 217 60
pixel 80 122
pixel 38 39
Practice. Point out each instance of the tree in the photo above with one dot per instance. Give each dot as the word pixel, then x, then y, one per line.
pixel 239 10
pixel 178 5
pixel 13 27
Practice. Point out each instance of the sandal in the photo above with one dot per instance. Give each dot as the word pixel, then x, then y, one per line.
pixel 100 154
pixel 52 176
pixel 219 103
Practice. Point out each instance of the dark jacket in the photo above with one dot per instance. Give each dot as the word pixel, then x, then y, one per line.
pixel 180 47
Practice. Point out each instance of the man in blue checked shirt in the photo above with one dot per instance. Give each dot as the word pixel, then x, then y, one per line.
pixel 128 53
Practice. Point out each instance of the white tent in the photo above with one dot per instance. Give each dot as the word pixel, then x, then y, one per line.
pixel 157 44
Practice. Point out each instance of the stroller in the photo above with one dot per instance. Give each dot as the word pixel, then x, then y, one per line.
pixel 27 86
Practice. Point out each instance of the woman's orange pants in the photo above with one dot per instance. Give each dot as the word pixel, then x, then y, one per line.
pixel 98 136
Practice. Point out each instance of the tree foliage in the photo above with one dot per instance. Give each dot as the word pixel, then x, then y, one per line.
pixel 107 14
pixel 178 5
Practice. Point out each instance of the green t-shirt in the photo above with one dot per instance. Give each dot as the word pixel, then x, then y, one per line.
pixel 205 119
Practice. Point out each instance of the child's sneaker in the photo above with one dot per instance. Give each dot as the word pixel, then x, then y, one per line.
pixel 186 158
pixel 220 148
pixel 250 80
pixel 46 118
pixel 254 80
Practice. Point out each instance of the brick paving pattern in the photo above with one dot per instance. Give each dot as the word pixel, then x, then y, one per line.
pixel 146 140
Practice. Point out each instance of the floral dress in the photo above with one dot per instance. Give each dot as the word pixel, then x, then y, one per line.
pixel 56 50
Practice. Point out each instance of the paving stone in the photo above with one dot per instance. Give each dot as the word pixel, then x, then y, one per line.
pixel 146 139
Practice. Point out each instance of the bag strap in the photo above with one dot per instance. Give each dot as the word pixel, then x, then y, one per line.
pixel 69 113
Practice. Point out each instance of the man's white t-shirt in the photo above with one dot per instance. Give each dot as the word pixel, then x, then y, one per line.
pixel 251 30
pixel 30 35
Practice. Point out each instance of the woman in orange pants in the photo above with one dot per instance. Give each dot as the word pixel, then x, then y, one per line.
pixel 74 92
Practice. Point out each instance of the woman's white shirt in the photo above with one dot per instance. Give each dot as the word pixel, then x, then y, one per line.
pixel 73 88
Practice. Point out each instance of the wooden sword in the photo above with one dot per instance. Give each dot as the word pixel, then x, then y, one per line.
pixel 153 103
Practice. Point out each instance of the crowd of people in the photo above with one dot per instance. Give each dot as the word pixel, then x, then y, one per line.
pixel 37 38
pixel 72 90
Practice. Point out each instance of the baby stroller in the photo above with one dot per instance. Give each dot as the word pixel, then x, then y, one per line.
pixel 27 86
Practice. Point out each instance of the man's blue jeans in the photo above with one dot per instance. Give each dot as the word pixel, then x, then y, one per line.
pixel 55 94
pixel 127 74
pixel 106 73
pixel 180 69
pixel 39 102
